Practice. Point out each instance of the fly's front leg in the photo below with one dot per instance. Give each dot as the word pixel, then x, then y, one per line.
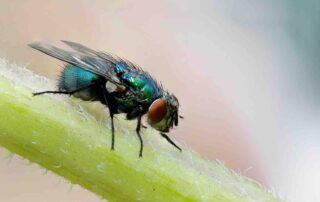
pixel 170 141
pixel 109 102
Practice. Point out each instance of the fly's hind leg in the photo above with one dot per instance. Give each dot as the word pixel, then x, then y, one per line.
pixel 65 92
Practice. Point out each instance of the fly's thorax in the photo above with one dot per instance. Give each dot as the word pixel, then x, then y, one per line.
pixel 163 113
pixel 140 85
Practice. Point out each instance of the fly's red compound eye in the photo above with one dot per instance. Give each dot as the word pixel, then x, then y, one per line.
pixel 157 110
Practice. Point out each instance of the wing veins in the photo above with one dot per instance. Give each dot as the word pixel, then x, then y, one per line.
pixel 82 59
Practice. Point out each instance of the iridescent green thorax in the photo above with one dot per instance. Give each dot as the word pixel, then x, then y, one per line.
pixel 142 86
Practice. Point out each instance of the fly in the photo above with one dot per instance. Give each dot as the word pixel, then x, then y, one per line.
pixel 118 84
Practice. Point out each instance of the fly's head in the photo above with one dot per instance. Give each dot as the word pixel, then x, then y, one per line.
pixel 163 113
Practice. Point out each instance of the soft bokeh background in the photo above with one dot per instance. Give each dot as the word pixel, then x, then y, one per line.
pixel 246 73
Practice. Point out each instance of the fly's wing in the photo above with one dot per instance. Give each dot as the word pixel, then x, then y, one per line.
pixel 105 56
pixel 86 60
pixel 134 70
pixel 83 49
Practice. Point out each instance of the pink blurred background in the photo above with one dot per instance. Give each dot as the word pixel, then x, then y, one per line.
pixel 242 72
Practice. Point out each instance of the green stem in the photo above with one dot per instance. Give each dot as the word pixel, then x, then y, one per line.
pixel 72 139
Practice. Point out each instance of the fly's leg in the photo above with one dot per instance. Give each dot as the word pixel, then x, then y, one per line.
pixel 65 92
pixel 109 103
pixel 138 131
pixel 170 141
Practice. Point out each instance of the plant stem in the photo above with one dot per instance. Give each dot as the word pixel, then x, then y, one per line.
pixel 72 139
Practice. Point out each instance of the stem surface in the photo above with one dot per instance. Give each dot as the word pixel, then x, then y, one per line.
pixel 72 139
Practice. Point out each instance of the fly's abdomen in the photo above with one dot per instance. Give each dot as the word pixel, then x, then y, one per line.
pixel 73 78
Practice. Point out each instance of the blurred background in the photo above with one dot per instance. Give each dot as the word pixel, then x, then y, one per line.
pixel 246 74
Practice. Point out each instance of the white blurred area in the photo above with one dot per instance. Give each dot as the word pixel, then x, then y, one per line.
pixel 246 73
pixel 271 75
pixel 276 89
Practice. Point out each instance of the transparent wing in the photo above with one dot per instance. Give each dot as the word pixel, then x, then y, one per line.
pixel 103 55
pixel 83 49
pixel 85 58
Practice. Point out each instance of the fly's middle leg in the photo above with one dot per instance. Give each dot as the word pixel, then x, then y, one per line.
pixel 108 101
pixel 139 124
